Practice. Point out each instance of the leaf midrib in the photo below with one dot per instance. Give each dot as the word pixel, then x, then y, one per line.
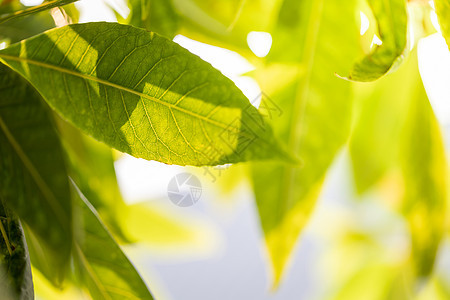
pixel 91 272
pixel 43 187
pixel 300 103
pixel 123 88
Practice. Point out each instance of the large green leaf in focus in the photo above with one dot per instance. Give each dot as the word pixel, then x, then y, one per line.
pixel 33 178
pixel 391 16
pixel 143 94
pixel 315 123
pixel 104 268
pixel 15 270
pixel 443 12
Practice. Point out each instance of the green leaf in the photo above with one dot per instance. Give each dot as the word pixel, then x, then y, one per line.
pixel 225 23
pixel 397 130
pixel 315 123
pixel 381 109
pixel 386 278
pixel 424 167
pixel 33 178
pixel 16 30
pixel 92 168
pixel 391 17
pixel 155 15
pixel 443 13
pixel 35 9
pixel 104 268
pixel 143 94
pixel 15 268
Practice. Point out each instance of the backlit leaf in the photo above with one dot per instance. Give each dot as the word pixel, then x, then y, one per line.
pixel 391 17
pixel 104 268
pixel 424 168
pixel 155 15
pixel 21 28
pixel 315 123
pixel 143 94
pixel 381 109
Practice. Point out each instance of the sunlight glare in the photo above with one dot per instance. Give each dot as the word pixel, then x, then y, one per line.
pixel 434 20
pixel 259 42
pixel 376 41
pixel 434 67
pixel 230 63
pixel 31 2
pixel 364 23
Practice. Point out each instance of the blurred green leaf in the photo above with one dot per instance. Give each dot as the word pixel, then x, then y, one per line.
pixel 103 267
pixel 391 17
pixel 92 169
pixel 186 113
pixel 45 290
pixel 19 29
pixel 225 23
pixel 376 282
pixel 443 13
pixel 424 168
pixel 33 179
pixel 155 15
pixel 146 224
pixel 73 15
pixel 15 268
pixel 381 110
pixel 315 123
pixel 397 129
pixel 437 288
pixel 35 9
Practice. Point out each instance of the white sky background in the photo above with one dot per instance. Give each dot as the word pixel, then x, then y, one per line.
pixel 236 266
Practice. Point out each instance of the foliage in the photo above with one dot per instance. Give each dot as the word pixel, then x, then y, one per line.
pixel 129 86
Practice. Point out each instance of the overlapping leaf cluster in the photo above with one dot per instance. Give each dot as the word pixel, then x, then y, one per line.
pixel 129 86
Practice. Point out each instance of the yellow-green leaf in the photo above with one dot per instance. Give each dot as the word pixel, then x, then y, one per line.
pixel 391 17
pixel 143 94
pixel 103 267
pixel 443 13
pixel 424 168
pixel 316 108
